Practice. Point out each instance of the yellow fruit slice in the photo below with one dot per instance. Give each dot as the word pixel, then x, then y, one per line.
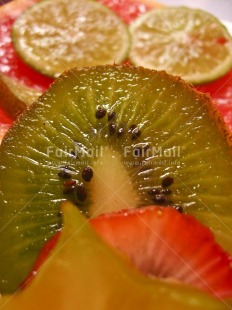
pixel 15 97
pixel 83 273
pixel 187 42
pixel 3 130
pixel 53 36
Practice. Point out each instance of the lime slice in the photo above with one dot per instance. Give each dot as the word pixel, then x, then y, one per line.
pixel 15 97
pixel 3 129
pixel 187 42
pixel 53 36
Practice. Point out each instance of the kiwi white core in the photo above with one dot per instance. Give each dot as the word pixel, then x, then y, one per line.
pixel 111 187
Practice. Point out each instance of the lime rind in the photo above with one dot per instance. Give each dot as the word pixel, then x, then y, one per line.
pixel 182 41
pixel 53 36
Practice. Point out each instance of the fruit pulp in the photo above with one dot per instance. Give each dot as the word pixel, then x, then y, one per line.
pixel 67 124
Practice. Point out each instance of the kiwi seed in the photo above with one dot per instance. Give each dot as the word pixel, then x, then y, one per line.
pixel 81 192
pixel 69 190
pixel 132 127
pixel 111 116
pixel 112 128
pixel 120 132
pixel 100 113
pixel 64 174
pixel 87 174
pixel 168 181
pixel 135 133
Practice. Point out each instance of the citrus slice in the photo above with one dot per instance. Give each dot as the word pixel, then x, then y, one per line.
pixel 3 129
pixel 53 36
pixel 15 97
pixel 187 42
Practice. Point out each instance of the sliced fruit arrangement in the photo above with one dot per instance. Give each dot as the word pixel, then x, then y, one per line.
pixel 108 138
pixel 15 97
pixel 11 64
pixel 153 240
pixel 190 43
pixel 55 36
pixel 64 280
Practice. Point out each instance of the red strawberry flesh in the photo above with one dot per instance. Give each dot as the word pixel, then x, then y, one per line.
pixel 163 243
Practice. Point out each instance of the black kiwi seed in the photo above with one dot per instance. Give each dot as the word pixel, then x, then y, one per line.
pixel 112 128
pixel 64 174
pixel 120 132
pixel 135 133
pixel 178 207
pixel 100 113
pixel 154 191
pixel 132 127
pixel 160 199
pixel 81 192
pixel 87 174
pixel 167 181
pixel 111 116
pixel 69 190
pixel 166 191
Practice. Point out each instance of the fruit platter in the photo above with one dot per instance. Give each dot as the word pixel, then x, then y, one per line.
pixel 115 156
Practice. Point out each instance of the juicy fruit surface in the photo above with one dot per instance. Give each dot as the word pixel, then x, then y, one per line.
pixel 164 243
pixel 63 133
pixel 186 42
pixel 11 63
pixel 95 36
pixel 114 282
pixel 15 97
pixel 153 240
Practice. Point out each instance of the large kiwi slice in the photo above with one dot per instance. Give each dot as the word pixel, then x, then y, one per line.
pixel 107 138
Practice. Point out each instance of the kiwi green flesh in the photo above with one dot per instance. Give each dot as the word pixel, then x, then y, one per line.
pixel 115 284
pixel 170 116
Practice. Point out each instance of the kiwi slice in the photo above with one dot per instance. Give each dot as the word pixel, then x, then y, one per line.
pixel 107 138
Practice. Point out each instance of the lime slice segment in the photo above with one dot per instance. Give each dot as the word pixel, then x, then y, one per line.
pixel 53 36
pixel 14 96
pixel 187 42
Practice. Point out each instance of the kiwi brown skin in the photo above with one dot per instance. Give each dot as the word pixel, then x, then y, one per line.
pixel 32 190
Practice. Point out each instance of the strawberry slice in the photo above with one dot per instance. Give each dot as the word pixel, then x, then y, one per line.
pixel 163 243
